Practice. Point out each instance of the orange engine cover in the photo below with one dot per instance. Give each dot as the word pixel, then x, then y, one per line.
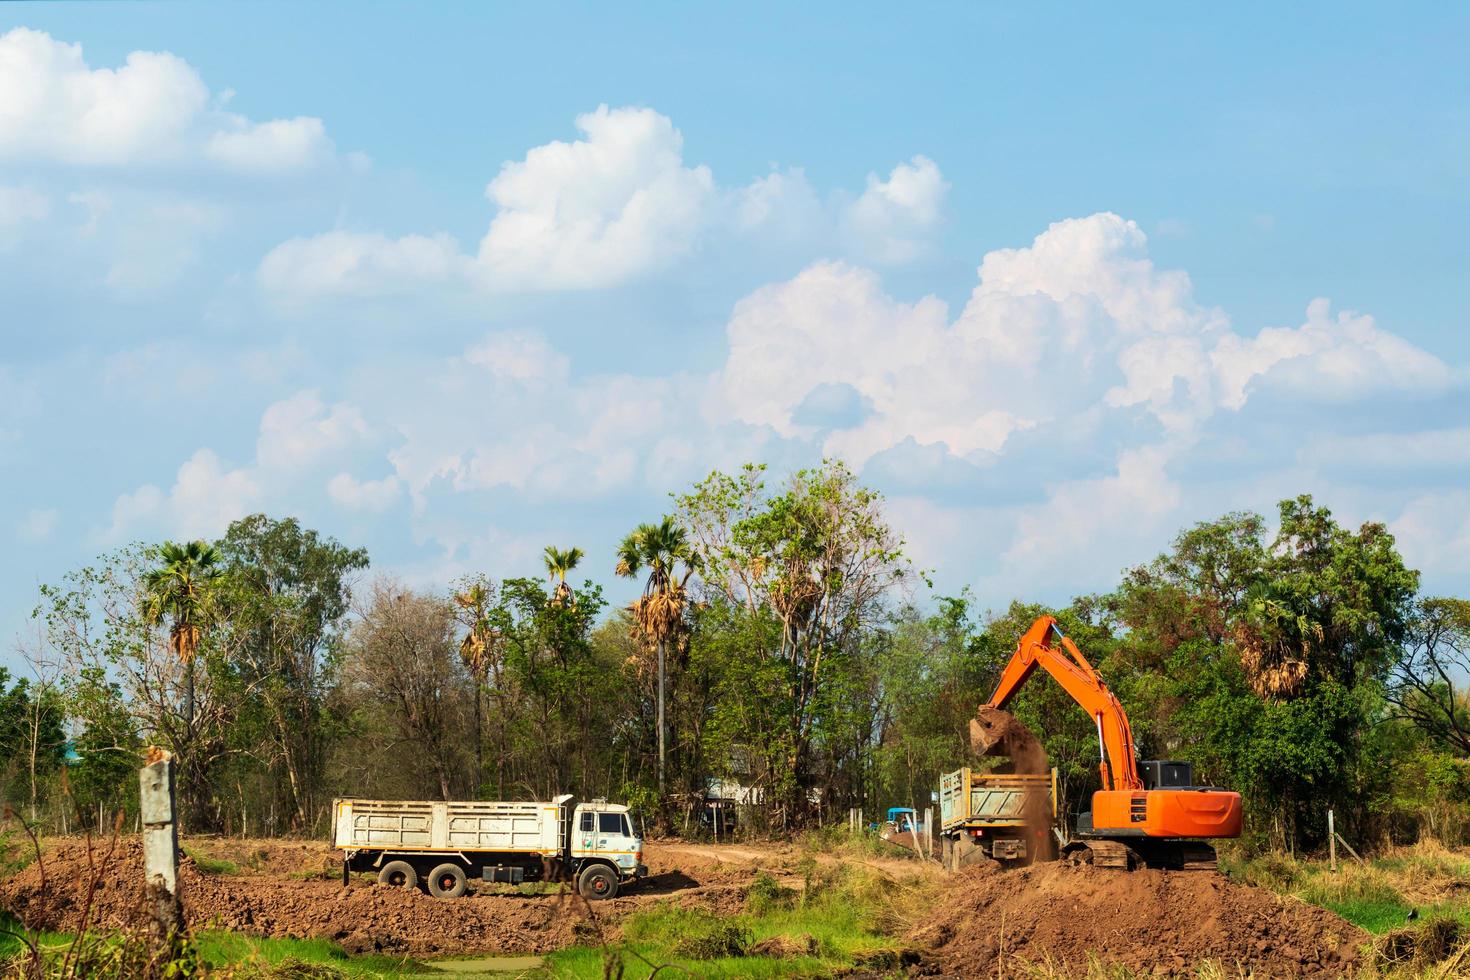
pixel 1167 812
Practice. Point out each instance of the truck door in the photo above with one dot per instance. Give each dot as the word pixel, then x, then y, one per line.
pixel 585 837
pixel 610 832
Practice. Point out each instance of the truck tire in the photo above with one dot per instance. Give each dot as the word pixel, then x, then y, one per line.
pixel 447 881
pixel 398 874
pixel 598 882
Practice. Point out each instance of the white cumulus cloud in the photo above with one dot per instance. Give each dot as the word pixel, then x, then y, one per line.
pixel 1080 321
pixel 615 205
pixel 205 497
pixel 610 206
pixel 154 108
pixel 895 219
pixel 360 264
pixel 1329 358
pixel 299 430
pixel 370 495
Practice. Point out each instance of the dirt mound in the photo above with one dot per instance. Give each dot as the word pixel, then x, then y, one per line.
pixel 299 858
pixel 363 918
pixel 996 732
pixel 1157 921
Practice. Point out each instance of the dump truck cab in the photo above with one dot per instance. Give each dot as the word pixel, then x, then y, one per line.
pixel 607 833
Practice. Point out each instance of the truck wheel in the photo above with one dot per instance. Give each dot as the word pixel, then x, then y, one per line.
pixel 398 874
pixel 447 881
pixel 598 882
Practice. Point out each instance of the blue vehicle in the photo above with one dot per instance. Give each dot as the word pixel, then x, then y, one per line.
pixel 902 820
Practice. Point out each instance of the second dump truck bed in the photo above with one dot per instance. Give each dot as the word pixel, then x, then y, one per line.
pixel 981 812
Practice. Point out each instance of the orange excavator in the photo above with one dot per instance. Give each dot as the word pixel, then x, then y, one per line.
pixel 1146 814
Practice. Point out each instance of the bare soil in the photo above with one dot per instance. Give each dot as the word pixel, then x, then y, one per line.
pixel 1155 921
pixel 287 894
pixel 1150 920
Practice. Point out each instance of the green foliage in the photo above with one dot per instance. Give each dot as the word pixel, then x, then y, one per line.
pixel 1263 663
pixel 32 737
pixel 253 956
pixel 713 941
pixel 766 894
pixel 800 579
pixel 844 918
pixel 287 590
pixel 1292 663
pixel 107 745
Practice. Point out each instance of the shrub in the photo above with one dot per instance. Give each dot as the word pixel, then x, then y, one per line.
pixel 720 940
pixel 766 894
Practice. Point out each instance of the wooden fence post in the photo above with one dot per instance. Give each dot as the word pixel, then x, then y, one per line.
pixel 157 815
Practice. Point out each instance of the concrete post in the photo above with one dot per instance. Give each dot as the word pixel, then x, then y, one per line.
pixel 1331 842
pixel 157 814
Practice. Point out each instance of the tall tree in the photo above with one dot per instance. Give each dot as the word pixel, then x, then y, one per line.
pixel 1264 662
pixel 404 675
pixel 556 686
pixel 658 614
pixel 559 563
pixel 818 562
pixel 180 590
pixel 1429 681
pixel 98 618
pixel 474 599
pixel 288 591
pixel 32 739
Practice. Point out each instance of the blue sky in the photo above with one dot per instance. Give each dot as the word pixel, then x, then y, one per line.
pixel 455 281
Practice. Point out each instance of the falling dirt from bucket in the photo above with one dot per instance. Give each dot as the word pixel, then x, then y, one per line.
pixel 999 733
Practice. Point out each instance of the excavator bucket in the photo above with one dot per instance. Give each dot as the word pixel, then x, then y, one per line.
pixel 997 732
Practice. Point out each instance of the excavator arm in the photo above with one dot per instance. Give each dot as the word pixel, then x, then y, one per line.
pixel 1063 661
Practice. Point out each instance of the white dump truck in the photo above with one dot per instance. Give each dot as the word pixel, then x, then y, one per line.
pixel 440 846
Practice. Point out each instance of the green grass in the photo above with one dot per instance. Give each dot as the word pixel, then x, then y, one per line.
pixel 1377 895
pixel 219 949
pixel 846 916
pixel 582 962
pixel 209 865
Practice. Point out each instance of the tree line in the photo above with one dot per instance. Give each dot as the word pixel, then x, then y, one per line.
pixel 782 647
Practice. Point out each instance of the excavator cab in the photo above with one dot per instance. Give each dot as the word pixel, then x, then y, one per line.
pixel 1158 774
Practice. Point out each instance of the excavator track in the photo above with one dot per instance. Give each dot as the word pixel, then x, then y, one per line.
pixel 1164 855
pixel 1103 854
pixel 1198 857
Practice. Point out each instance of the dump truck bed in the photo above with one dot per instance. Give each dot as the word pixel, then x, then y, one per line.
pixel 424 825
pixel 971 799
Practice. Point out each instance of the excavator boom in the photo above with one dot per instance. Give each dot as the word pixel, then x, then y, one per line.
pixel 1078 678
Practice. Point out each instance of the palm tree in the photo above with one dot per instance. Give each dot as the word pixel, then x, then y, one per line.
pixel 180 589
pixel 558 564
pixel 475 650
pixel 658 614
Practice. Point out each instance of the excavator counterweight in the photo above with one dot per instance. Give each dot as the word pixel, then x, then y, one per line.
pixel 1151 814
